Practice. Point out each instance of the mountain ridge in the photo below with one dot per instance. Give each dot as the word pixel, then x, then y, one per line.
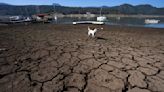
pixel 7 9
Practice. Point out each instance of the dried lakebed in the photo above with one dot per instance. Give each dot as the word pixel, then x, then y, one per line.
pixel 61 58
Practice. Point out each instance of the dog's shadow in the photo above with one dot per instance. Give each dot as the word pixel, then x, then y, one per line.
pixel 101 38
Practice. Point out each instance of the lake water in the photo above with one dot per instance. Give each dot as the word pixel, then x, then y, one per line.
pixel 140 22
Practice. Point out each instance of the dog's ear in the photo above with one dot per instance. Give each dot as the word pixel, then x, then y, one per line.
pixel 89 28
pixel 95 29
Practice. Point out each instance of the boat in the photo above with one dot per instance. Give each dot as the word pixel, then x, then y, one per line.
pixel 16 19
pixel 55 18
pixel 101 18
pixel 151 21
pixel 27 19
pixel 88 22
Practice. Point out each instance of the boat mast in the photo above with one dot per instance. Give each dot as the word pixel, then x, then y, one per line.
pixel 54 12
pixel 100 11
pixel 54 6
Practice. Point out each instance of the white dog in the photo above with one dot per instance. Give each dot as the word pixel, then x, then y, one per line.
pixel 92 31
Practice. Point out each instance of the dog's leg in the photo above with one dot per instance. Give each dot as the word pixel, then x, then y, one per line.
pixel 93 35
pixel 88 34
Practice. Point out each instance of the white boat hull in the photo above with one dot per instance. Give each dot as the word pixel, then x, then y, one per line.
pixel 88 22
pixel 151 21
pixel 101 18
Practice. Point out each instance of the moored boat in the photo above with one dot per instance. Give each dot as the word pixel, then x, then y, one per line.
pixel 101 18
pixel 151 21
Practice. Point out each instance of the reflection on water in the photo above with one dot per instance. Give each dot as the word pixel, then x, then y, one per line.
pixel 116 21
pixel 160 25
pixel 68 20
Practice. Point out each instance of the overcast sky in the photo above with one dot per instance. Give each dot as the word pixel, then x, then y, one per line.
pixel 157 3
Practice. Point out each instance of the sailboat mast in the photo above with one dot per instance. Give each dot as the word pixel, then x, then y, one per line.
pixel 54 6
pixel 54 12
pixel 100 11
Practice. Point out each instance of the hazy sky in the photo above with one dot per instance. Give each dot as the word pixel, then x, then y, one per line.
pixel 157 3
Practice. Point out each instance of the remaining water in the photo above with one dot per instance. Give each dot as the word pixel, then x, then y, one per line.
pixel 116 21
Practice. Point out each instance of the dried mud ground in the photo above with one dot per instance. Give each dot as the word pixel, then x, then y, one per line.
pixel 62 58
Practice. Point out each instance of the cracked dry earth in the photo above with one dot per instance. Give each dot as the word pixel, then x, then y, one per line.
pixel 61 58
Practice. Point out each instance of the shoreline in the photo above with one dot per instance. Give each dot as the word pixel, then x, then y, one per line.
pixel 111 15
pixel 78 25
pixel 107 15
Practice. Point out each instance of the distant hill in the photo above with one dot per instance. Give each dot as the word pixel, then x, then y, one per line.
pixel 139 9
pixel 6 9
pixel 4 4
